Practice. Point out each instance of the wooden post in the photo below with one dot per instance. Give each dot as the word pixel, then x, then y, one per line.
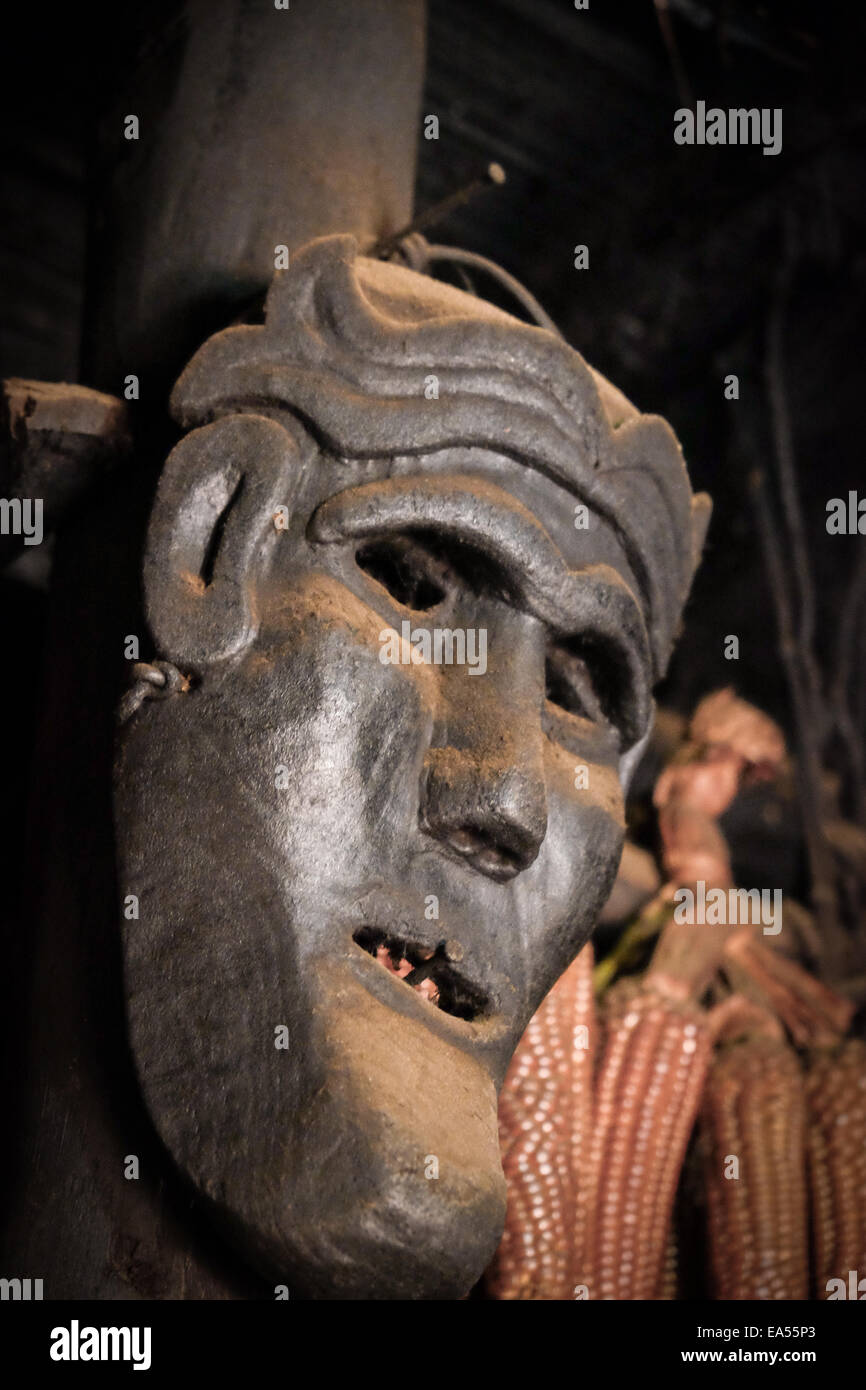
pixel 257 127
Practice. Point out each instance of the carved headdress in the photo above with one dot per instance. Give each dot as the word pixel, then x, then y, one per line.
pixel 347 346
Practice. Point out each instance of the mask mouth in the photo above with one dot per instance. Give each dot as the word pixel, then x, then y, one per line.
pixel 427 971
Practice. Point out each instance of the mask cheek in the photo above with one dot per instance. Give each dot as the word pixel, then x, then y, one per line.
pixel 629 761
pixel 577 866
pixel 578 782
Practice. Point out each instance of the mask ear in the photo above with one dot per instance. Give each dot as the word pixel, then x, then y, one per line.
pixel 210 534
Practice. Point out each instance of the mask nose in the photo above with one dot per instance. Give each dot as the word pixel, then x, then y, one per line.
pixel 495 818
pixel 483 791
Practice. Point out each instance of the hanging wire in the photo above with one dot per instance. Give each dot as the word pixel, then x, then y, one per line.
pixel 493 177
pixel 419 254
pixel 454 255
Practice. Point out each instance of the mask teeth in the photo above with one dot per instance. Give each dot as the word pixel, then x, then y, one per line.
pixel 427 972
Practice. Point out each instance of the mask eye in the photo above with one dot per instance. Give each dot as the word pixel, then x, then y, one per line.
pixel 580 681
pixel 412 576
pixel 587 677
pixel 571 684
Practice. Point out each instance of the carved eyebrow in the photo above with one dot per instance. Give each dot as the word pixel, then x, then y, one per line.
pixel 593 601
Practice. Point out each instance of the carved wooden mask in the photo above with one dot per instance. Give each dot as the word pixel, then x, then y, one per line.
pixel 361 859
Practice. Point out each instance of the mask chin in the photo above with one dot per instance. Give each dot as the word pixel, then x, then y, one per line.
pixel 392 1185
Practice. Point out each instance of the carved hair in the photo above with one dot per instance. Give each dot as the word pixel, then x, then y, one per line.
pixel 347 347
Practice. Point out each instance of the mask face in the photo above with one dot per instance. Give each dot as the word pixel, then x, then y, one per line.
pixel 370 837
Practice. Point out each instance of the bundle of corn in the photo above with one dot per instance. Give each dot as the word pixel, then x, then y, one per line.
pixel 545 1120
pixel 593 1160
pixel 816 1018
pixel 593 1163
pixel 593 1157
pixel 836 1100
pixel 753 1134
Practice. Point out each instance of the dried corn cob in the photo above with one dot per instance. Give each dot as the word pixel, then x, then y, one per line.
pixel 836 1101
pixel 669 1282
pixel 647 1095
pixel 754 1111
pixel 545 1113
